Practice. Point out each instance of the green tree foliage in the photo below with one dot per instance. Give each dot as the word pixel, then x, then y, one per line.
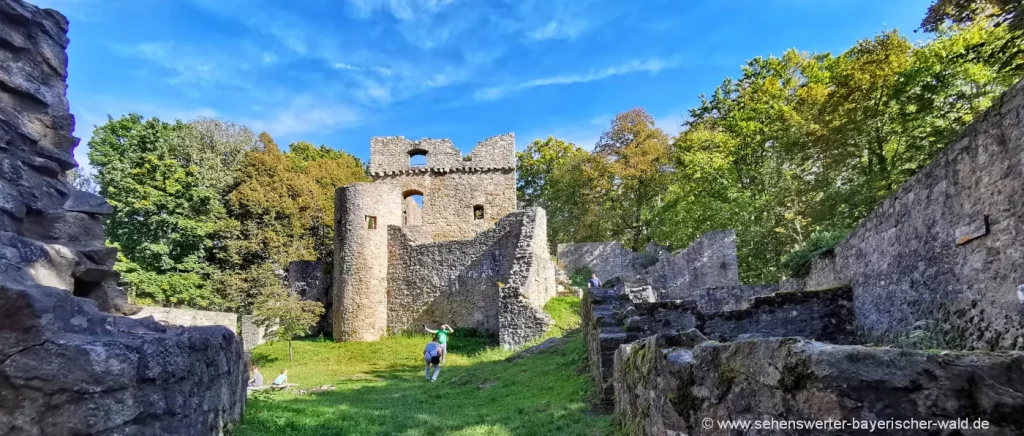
pixel 796 147
pixel 206 211
pixel 166 219
pixel 292 315
pixel 635 153
pixel 284 202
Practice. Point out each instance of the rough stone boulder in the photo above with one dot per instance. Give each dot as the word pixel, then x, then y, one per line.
pixel 68 369
pixel 663 387
pixel 50 233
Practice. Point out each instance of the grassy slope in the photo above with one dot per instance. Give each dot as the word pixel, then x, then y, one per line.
pixel 381 388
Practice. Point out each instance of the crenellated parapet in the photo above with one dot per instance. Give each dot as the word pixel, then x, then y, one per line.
pixel 391 155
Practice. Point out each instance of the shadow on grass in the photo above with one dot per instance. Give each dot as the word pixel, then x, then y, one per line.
pixel 540 395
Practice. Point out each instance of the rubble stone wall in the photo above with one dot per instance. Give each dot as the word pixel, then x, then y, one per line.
pixel 710 261
pixel 947 247
pixel 66 366
pixel 606 259
pixel 189 317
pixel 475 283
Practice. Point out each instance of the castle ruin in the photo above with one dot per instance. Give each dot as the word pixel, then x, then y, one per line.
pixel 436 238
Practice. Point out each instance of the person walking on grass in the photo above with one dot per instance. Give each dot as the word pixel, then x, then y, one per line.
pixel 432 355
pixel 442 338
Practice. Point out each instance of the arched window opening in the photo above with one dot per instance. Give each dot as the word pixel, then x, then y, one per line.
pixel 412 208
pixel 417 157
pixel 478 212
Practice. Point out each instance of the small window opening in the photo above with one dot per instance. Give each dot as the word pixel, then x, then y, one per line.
pixel 478 212
pixel 412 208
pixel 371 222
pixel 417 157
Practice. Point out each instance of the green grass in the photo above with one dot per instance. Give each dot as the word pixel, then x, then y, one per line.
pixel 381 390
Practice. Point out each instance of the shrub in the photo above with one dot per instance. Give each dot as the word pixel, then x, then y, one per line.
pixel 580 275
pixel 820 244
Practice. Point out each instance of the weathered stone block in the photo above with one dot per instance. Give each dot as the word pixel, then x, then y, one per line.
pixel 661 389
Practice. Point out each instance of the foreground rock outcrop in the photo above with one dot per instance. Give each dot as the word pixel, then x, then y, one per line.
pixel 69 369
pixel 71 365
pixel 664 384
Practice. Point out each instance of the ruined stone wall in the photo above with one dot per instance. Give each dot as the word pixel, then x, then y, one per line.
pixel 179 317
pixel 606 259
pixel 453 282
pixel 610 319
pixel 66 368
pixel 361 259
pixel 473 283
pixel 709 261
pixel 309 280
pixel 671 389
pixel 391 153
pixel 521 317
pixel 450 196
pixel 721 298
pixel 948 246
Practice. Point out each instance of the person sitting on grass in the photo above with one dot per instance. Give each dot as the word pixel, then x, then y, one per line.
pixel 257 379
pixel 282 379
pixel 442 338
pixel 432 355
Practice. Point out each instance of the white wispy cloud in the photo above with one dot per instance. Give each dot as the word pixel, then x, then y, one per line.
pixel 569 30
pixel 306 114
pixel 652 65
pixel 195 65
pixel 404 10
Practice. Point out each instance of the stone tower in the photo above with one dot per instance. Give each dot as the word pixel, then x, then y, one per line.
pixel 436 238
pixel 363 212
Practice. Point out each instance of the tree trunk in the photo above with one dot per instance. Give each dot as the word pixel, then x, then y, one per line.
pixel 290 359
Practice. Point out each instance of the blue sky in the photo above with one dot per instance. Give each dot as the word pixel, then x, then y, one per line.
pixel 337 72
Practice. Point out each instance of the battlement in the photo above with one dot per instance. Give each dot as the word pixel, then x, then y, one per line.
pixel 397 155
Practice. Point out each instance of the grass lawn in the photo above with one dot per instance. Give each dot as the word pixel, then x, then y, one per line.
pixel 381 389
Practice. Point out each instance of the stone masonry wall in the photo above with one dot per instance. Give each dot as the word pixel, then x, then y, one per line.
pixel 189 317
pixel 707 262
pixel 471 283
pixel 453 282
pixel 521 317
pixel 948 246
pixel 606 259
pixel 449 199
pixel 309 280
pixel 66 368
pixel 361 259
pixel 670 389
pixel 391 153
